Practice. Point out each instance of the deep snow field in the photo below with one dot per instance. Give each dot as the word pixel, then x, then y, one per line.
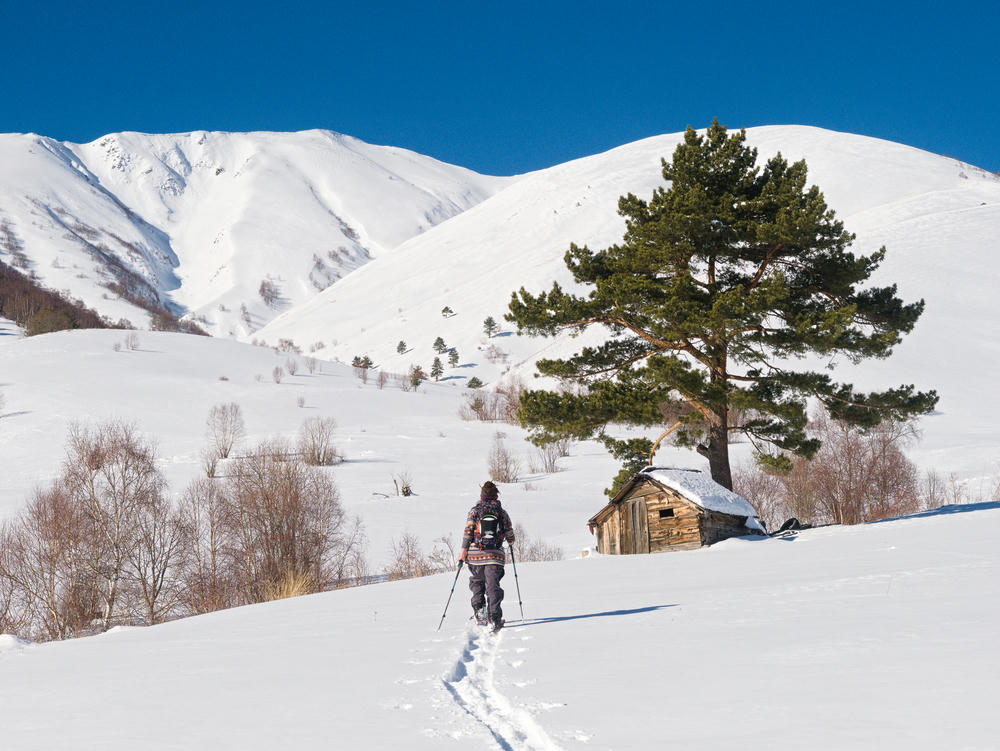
pixel 881 636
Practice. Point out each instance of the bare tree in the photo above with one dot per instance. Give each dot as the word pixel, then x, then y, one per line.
pixel 503 466
pixel 225 427
pixel 316 441
pixel 277 374
pixel 111 473
pixel 155 559
pixel 42 563
pixel 269 293
pixel 408 560
pixel 207 583
pixel 292 366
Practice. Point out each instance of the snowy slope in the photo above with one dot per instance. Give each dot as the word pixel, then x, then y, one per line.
pixel 168 385
pixel 874 637
pixel 201 219
pixel 939 219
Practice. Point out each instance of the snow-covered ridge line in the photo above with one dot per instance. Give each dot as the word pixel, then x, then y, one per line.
pixel 201 220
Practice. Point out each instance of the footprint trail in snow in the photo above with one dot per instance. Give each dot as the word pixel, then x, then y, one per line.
pixel 470 684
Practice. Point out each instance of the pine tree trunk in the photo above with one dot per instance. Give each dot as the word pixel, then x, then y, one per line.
pixel 718 455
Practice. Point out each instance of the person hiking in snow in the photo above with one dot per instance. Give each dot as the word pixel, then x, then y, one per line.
pixel 487 526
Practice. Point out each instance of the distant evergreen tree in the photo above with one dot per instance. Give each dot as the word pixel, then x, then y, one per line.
pixel 439 345
pixel 722 279
pixel 446 311
pixel 453 357
pixel 474 383
pixel 417 375
pixel 401 347
pixel 437 369
pixel 490 326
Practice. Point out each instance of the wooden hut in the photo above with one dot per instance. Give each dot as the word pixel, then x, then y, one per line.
pixel 664 509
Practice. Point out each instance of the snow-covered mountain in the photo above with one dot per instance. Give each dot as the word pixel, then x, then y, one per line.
pixel 198 221
pixel 939 219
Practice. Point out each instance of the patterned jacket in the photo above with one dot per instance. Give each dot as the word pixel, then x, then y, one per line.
pixel 477 556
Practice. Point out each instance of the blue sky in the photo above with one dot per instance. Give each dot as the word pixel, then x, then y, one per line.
pixel 506 87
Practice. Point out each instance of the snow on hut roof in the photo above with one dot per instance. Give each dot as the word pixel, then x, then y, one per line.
pixel 702 490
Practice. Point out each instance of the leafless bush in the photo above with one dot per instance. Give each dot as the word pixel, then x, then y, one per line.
pixel 408 560
pixel 292 366
pixel 288 345
pixel 403 481
pixel 442 556
pixel 501 405
pixel 503 466
pixel 224 427
pixel 311 364
pixel 132 340
pixel 383 379
pixel 277 374
pixel 529 549
pixel 545 458
pixel 116 347
pixel 300 401
pixel 856 476
pixel 316 441
pixel 284 518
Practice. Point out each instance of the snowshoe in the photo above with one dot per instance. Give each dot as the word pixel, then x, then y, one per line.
pixel 495 626
pixel 480 615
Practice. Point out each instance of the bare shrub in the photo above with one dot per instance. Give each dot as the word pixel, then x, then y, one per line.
pixel 442 556
pixel 132 340
pixel 283 518
pixel 224 427
pixel 292 366
pixel 502 465
pixel 277 374
pixel 382 380
pixel 403 481
pixel 316 441
pixel 857 476
pixel 501 405
pixel 300 401
pixel 547 455
pixel 408 560
pixel 311 364
pixel 527 548
pixel 116 347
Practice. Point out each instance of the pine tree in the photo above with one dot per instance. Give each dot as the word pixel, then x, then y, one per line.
pixel 446 311
pixel 439 345
pixel 722 279
pixel 453 357
pixel 437 369
pixel 401 347
pixel 474 383
pixel 490 327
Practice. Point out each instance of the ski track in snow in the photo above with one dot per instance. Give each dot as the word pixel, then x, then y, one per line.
pixel 470 684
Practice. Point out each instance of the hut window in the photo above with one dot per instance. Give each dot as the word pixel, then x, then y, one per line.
pixel 666 512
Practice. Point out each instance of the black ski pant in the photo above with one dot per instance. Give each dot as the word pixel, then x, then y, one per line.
pixel 484 581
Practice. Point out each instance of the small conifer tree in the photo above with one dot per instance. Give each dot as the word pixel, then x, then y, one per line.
pixel 401 347
pixel 490 326
pixel 453 358
pixel 437 369
pixel 439 345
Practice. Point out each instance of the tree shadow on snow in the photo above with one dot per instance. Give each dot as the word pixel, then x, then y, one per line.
pixel 957 508
pixel 561 618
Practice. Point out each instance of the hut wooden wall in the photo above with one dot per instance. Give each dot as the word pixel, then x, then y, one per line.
pixel 689 527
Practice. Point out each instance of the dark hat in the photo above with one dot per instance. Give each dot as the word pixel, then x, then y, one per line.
pixel 489 490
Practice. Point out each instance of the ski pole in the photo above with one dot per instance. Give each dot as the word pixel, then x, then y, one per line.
pixel 513 560
pixel 457 572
